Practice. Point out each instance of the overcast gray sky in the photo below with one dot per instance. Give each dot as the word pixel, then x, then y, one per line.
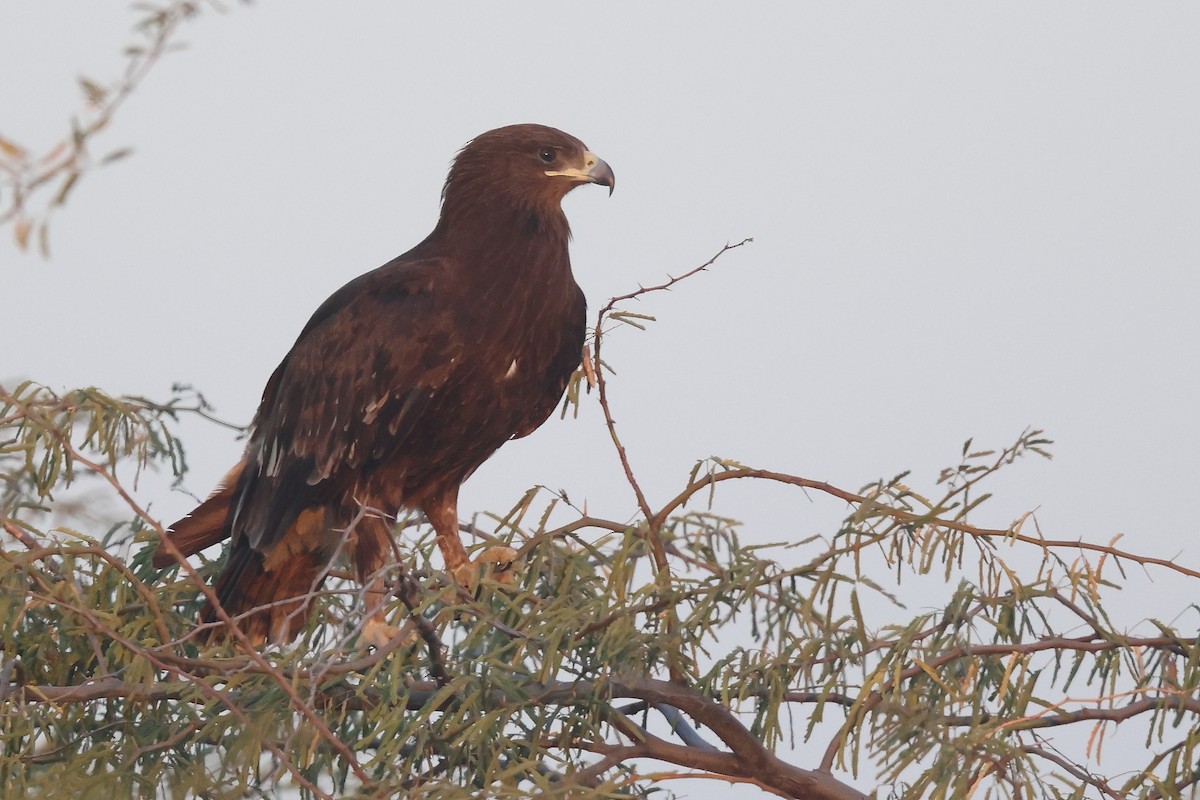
pixel 968 219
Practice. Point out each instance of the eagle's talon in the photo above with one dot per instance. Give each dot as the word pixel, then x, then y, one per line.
pixel 499 561
pixel 379 634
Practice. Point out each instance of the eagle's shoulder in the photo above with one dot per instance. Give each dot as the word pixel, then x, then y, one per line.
pixel 389 294
pixel 401 278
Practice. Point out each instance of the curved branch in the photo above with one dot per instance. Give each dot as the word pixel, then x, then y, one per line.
pixel 752 758
pixel 1073 769
pixel 908 516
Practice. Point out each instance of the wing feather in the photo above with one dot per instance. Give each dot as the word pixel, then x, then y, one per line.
pixel 347 396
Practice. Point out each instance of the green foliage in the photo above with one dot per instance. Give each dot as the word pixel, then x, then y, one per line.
pixel 596 675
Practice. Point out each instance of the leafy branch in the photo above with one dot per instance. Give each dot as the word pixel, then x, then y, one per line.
pixel 629 655
pixel 32 184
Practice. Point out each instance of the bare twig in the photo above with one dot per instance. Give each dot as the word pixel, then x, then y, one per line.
pixel 654 521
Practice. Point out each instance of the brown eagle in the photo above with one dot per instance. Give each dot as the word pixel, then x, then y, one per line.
pixel 401 384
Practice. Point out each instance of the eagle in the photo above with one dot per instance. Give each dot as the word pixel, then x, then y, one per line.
pixel 400 386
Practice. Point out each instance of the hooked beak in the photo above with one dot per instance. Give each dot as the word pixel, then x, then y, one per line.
pixel 595 170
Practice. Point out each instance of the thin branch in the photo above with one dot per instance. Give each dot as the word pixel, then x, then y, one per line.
pixel 151 601
pixel 21 535
pixel 1073 769
pixel 919 519
pixel 670 282
pixel 653 535
pixel 654 522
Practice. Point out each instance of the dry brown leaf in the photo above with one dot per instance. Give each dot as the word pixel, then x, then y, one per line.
pixel 12 150
pixel 21 230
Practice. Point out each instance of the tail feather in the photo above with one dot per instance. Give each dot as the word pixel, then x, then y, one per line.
pixel 267 591
pixel 208 524
pixel 270 604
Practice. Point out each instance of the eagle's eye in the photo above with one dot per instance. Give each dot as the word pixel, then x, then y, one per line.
pixel 548 154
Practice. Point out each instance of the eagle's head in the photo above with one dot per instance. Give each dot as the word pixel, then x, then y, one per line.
pixel 526 166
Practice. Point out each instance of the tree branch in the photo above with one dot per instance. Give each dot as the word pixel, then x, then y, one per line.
pixel 919 519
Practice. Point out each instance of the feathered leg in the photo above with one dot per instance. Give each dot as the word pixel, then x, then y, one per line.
pixel 442 511
pixel 372 548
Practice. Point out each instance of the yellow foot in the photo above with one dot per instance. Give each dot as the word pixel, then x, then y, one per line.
pixel 379 634
pixel 496 561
